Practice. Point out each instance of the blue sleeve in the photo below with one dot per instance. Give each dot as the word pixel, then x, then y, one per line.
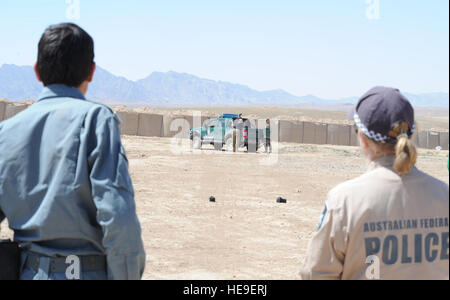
pixel 2 215
pixel 113 195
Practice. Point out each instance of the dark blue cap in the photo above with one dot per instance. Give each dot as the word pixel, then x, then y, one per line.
pixel 380 110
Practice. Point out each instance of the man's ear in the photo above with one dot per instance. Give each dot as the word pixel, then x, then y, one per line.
pixel 36 71
pixel 91 75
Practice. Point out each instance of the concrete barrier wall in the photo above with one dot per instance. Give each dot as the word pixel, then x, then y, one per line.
pixel 203 120
pixel 443 140
pixel 309 133
pixel 130 122
pixel 423 139
pixel 416 139
pixel 333 134
pixel 2 110
pixel 167 120
pixel 315 133
pixel 338 135
pixel 291 132
pixel 433 140
pixel 150 125
pixel 354 139
pixel 190 120
pixel 178 126
pixel 185 130
pixel 12 110
pixel 321 134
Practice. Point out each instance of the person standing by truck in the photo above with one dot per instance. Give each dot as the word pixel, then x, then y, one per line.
pixel 268 144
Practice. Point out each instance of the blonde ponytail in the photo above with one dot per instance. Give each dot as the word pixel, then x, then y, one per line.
pixel 405 151
pixel 405 156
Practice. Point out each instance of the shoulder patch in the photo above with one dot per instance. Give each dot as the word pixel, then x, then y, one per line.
pixel 322 218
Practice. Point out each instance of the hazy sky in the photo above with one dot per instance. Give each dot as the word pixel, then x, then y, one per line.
pixel 329 48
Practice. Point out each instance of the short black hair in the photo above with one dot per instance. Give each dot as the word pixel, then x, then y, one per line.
pixel 65 55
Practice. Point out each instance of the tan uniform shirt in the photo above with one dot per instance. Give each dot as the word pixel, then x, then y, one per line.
pixel 400 223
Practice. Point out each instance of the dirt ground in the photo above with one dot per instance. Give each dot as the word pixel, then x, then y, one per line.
pixel 245 234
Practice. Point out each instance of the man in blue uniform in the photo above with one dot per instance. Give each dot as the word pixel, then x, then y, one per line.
pixel 64 183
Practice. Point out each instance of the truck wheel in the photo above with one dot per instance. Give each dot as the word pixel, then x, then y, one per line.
pixel 218 146
pixel 197 142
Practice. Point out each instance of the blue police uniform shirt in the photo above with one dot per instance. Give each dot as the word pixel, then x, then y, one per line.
pixel 64 182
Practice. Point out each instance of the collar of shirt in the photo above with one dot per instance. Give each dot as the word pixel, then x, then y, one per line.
pixel 386 161
pixel 60 91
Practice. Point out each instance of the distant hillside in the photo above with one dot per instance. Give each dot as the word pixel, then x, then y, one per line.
pixel 18 83
pixel 175 89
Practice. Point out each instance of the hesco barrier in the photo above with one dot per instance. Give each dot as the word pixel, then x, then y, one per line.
pixel 322 134
pixel 416 140
pixel 178 126
pixel 2 110
pixel 309 133
pixel 354 139
pixel 130 122
pixel 185 131
pixel 153 125
pixel 444 140
pixel 150 125
pixel 165 132
pixel 433 140
pixel 291 132
pixel 338 135
pixel 177 122
pixel 423 139
pixel 315 133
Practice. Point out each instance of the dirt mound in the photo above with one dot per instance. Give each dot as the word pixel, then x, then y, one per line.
pixel 18 103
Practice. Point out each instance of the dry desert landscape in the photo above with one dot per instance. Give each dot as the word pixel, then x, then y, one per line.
pixel 245 234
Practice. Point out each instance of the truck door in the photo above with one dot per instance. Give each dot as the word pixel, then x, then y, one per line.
pixel 210 129
pixel 219 131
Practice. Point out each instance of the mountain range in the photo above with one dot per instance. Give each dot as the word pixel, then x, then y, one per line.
pixel 183 90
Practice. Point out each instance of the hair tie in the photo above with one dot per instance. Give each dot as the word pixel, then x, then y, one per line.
pixel 402 135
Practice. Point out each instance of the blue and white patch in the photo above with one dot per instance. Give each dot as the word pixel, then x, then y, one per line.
pixel 322 218
pixel 378 137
